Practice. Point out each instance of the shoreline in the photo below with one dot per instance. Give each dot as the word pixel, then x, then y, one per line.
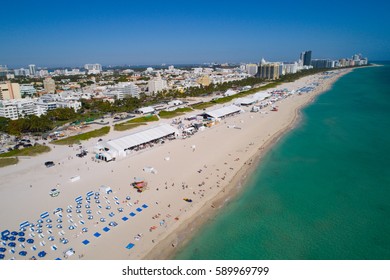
pixel 190 227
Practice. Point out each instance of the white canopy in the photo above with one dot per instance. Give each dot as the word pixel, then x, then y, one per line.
pixel 141 137
pixel 224 111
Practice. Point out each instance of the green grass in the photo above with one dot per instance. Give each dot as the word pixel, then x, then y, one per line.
pixel 175 113
pixel 144 119
pixel 135 122
pixel 8 161
pixel 30 151
pixel 81 137
pixel 127 126
pixel 203 105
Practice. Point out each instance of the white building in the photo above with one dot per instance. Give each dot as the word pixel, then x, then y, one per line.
pixel 290 68
pixel 8 110
pixel 157 84
pixel 251 69
pixel 93 68
pixel 27 90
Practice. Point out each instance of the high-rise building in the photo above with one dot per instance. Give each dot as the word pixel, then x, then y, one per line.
pixel 49 84
pixel 32 69
pixel 22 72
pixel 269 71
pixel 306 58
pixel 9 90
pixel 322 63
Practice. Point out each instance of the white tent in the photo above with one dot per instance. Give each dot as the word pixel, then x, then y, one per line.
pixel 145 110
pixel 119 145
pixel 224 111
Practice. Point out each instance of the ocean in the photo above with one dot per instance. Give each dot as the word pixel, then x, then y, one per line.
pixel 323 191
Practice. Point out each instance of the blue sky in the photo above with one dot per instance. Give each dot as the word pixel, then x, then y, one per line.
pixel 72 33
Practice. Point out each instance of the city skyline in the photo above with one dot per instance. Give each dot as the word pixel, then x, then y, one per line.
pixel 52 35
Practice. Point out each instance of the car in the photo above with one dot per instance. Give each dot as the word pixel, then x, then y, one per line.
pixel 54 192
pixel 49 164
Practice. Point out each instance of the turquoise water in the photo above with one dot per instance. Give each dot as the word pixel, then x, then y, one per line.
pixel 323 192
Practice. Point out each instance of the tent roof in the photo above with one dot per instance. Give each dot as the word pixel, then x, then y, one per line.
pixel 141 137
pixel 221 112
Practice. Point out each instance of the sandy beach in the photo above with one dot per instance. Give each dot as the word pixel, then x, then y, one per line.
pixel 153 224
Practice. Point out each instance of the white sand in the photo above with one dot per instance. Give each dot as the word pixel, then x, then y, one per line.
pixel 220 153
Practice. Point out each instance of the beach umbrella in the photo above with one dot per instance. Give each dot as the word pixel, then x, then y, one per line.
pixel 44 215
pixel 68 211
pixel 5 238
pixel 59 226
pixel 30 241
pixel 90 217
pixel 48 221
pixel 41 254
pixel 22 253
pixel 2 256
pixel 2 249
pixel 78 206
pixel 21 233
pixel 87 206
pixel 24 224
pixel 90 193
pixel 5 233
pixel 12 244
pixel 12 238
pixel 14 233
pixel 128 197
pixel 49 226
pixel 59 221
pixel 21 239
pixel 40 221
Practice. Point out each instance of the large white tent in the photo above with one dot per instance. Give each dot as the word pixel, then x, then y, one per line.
pixel 224 111
pixel 120 145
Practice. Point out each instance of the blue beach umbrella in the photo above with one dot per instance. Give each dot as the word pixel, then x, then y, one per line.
pixel 12 238
pixel 30 241
pixel 41 254
pixel 21 239
pixel 14 233
pixel 5 233
pixel 2 249
pixel 21 233
pixel 12 244
pixel 22 253
pixel 2 256
pixel 5 238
